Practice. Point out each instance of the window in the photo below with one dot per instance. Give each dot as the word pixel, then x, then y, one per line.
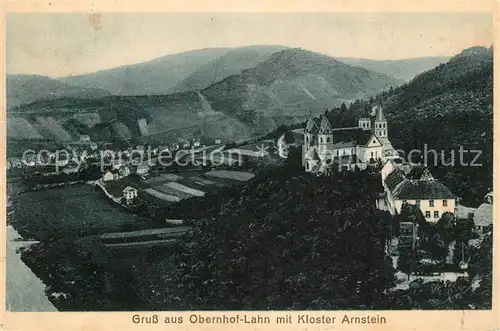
pixel 436 214
pixel 327 139
pixel 337 152
pixel 427 214
pixel 372 154
pixel 445 203
pixel 431 203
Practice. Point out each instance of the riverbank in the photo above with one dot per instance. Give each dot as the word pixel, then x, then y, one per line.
pixel 24 290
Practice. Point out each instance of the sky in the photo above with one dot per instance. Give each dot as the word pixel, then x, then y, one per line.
pixel 64 44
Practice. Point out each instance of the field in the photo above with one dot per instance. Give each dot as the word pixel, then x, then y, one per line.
pixel 185 189
pixel 162 179
pixel 235 175
pixel 162 196
pixel 67 212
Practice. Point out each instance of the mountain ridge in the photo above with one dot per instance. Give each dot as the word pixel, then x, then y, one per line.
pixel 281 90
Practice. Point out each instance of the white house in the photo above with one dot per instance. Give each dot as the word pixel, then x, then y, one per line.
pixel 84 138
pixel 110 175
pixel 196 142
pixel 417 187
pixel 124 171
pixel 129 193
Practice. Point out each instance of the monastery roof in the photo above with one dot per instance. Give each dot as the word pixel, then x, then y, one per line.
pixel 483 216
pixel 422 190
pixel 356 135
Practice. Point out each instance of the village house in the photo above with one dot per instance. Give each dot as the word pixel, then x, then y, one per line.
pixel 117 163
pixel 110 175
pixel 142 169
pixel 124 171
pixel 326 148
pixel 415 186
pixel 84 138
pixel 483 216
pixel 15 162
pixel 129 194
pixel 174 146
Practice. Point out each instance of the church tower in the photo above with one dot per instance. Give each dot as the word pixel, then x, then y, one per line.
pixel 325 138
pixel 380 123
pixel 310 133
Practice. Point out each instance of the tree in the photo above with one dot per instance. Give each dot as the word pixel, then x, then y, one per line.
pixel 404 262
pixel 437 247
pixel 446 227
pixel 293 163
pixel 343 107
pixel 289 137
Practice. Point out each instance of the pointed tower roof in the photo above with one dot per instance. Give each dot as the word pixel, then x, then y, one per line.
pixel 311 125
pixel 379 116
pixel 325 125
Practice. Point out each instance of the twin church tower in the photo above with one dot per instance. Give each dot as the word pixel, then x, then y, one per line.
pixel 327 148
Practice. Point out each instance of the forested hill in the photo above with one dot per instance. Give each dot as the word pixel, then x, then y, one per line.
pixel 300 242
pixel 443 108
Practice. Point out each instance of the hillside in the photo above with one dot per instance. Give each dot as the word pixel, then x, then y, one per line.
pixel 157 76
pixel 279 243
pixel 442 109
pixel 232 63
pixel 281 90
pixel 405 69
pixel 295 77
pixel 23 89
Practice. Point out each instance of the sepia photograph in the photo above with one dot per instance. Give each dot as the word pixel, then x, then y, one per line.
pixel 238 161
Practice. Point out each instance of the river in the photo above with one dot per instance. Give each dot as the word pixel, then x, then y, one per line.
pixel 25 292
pixel 49 221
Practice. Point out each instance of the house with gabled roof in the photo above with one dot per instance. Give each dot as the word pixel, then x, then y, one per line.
pixel 129 194
pixel 417 187
pixel 346 148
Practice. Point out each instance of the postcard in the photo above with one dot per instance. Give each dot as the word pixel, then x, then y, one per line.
pixel 279 166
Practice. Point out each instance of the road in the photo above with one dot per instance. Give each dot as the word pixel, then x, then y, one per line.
pixel 25 292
